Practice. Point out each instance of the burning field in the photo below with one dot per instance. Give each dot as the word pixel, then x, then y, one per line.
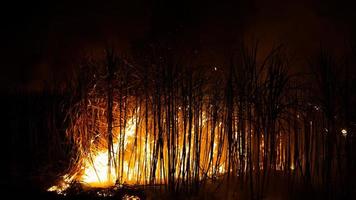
pixel 134 128
pixel 178 99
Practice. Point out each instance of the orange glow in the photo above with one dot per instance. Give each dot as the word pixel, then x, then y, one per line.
pixel 95 173
pixel 136 155
pixel 92 169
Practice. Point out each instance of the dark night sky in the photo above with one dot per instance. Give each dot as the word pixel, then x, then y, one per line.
pixel 41 41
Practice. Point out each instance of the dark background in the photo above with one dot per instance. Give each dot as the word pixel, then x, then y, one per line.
pixel 42 41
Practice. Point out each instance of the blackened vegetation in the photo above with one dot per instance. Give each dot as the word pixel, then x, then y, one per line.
pixel 264 123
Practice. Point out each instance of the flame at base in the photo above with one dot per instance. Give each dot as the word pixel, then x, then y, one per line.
pixel 96 168
pixel 140 156
pixel 96 174
pixel 63 185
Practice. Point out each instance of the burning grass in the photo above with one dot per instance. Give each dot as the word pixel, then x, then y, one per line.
pixel 181 126
pixel 132 162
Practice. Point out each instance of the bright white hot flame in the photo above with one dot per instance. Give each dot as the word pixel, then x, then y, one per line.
pixel 96 172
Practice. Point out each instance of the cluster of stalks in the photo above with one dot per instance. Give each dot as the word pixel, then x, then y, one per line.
pixel 165 122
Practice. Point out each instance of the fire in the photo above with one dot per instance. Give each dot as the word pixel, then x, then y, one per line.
pixel 92 169
pixel 96 174
pixel 96 171
pixel 63 184
pixel 142 151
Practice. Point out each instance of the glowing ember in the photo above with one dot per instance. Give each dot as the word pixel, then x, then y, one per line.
pixel 63 185
pixel 344 132
pixel 130 197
